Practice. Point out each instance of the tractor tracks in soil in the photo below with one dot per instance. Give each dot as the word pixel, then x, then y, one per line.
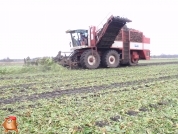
pixel 90 89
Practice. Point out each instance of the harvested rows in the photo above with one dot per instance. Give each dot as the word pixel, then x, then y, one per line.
pixel 129 111
pixel 141 99
pixel 60 92
pixel 65 83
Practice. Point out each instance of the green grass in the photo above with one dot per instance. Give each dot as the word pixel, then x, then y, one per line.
pixel 17 69
pixel 153 60
pixel 82 113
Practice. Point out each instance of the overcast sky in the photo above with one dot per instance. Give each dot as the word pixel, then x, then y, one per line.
pixel 37 28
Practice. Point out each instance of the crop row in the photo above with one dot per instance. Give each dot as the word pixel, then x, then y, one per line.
pixel 153 110
pixel 30 89
pixel 79 74
pixel 84 75
pixel 57 93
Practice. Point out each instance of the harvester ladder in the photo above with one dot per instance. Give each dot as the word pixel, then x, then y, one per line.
pixel 126 46
pixel 102 23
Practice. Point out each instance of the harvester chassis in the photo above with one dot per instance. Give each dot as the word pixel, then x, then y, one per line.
pixel 81 59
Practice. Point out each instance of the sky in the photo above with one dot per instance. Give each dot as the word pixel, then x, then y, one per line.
pixel 36 28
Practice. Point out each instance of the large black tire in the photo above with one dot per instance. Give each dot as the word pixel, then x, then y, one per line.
pixel 89 60
pixel 111 59
pixel 133 63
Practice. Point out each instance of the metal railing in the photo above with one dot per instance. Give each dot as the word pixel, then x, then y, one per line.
pixel 100 26
pixel 103 22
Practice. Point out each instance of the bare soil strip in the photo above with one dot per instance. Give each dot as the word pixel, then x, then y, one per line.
pixel 59 93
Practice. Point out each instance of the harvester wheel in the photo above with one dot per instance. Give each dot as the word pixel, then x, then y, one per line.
pixel 89 59
pixel 133 62
pixel 134 59
pixel 111 59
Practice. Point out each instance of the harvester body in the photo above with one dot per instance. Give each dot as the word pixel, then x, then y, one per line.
pixel 110 46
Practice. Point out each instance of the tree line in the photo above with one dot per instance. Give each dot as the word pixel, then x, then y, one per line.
pixel 165 56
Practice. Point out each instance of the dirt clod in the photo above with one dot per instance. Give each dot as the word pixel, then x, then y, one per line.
pixel 147 85
pixel 8 109
pixel 101 123
pixel 134 88
pixel 153 106
pixel 163 103
pixel 143 109
pixel 132 113
pixel 116 118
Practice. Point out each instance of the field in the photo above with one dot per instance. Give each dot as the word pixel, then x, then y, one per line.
pixel 55 100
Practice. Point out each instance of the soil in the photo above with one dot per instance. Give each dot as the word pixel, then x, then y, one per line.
pixel 163 103
pixel 143 109
pixel 101 123
pixel 116 118
pixel 155 106
pixel 132 113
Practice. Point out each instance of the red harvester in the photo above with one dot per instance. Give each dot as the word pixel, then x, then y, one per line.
pixel 110 46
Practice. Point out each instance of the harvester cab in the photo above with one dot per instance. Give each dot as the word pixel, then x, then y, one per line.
pixel 79 38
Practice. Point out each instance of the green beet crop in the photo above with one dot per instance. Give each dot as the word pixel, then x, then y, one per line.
pixel 123 100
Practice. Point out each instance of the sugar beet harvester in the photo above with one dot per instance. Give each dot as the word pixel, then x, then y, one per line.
pixel 111 46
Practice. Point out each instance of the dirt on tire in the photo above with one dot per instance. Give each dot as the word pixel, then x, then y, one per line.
pixel 105 59
pixel 84 59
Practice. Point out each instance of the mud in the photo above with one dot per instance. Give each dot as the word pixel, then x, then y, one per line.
pixel 59 92
pixel 101 123
pixel 155 106
pixel 116 118
pixel 163 102
pixel 132 112
pixel 8 109
pixel 143 109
